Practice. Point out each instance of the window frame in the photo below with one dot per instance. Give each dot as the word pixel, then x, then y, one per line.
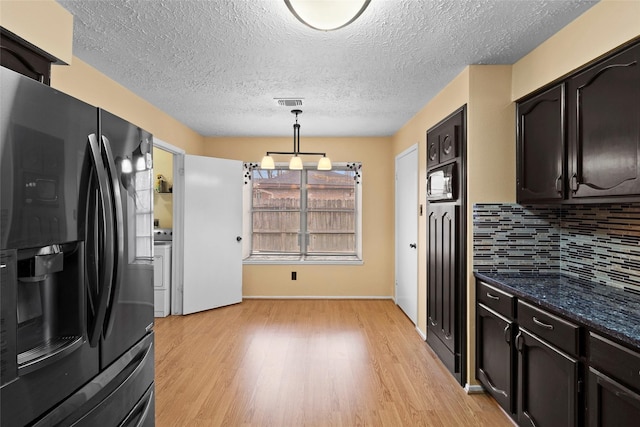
pixel 301 258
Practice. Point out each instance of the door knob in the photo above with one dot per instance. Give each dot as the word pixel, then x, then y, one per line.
pixel 413 245
pixel 238 238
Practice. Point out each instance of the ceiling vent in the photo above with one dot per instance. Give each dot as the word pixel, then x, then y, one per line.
pixel 289 102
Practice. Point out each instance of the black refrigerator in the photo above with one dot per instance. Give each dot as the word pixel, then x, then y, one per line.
pixel 76 285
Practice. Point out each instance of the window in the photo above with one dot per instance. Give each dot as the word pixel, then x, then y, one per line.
pixel 305 215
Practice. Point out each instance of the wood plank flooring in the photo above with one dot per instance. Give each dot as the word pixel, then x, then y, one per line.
pixel 306 363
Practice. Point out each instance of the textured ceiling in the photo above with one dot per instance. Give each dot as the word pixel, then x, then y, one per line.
pixel 217 65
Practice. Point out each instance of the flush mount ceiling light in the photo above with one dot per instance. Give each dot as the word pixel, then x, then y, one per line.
pixel 296 162
pixel 327 15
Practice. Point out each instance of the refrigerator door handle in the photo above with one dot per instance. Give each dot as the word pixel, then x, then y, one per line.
pixel 118 235
pixel 104 259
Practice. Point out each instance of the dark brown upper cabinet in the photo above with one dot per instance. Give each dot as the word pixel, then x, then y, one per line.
pixel 604 127
pixel 21 57
pixel 443 142
pixel 541 147
pixel 579 140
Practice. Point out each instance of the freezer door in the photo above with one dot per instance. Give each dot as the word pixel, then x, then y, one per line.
pixel 126 153
pixel 123 394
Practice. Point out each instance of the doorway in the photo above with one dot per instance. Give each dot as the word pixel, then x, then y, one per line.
pixel 406 207
pixel 174 221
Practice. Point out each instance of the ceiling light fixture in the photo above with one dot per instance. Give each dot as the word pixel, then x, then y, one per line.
pixel 327 15
pixel 296 162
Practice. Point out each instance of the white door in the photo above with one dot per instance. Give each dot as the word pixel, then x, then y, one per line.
pixel 407 232
pixel 212 231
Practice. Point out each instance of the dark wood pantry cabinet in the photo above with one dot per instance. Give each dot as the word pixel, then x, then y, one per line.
pixel 446 254
pixel 579 139
pixel 443 296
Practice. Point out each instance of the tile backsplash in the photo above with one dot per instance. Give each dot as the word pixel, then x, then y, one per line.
pixel 600 243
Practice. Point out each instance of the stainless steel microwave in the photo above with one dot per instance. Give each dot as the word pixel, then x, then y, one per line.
pixel 441 183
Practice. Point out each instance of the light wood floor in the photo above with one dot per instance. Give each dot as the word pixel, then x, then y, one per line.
pixel 306 363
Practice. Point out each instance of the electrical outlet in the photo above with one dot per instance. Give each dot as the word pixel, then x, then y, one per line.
pixel 294 275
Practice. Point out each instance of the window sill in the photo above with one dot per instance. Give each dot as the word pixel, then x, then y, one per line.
pixel 302 259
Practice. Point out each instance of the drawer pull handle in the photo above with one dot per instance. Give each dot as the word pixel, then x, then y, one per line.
pixel 3 265
pixel 497 298
pixel 544 325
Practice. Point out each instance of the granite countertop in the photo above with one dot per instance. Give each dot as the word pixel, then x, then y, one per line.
pixel 606 309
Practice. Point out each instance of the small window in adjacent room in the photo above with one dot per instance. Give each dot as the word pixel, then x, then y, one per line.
pixel 305 215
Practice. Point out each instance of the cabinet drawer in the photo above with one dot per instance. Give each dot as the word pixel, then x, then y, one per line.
pixel 556 331
pixel 613 359
pixel 495 299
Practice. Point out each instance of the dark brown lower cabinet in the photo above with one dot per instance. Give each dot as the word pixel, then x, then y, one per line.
pixel 614 384
pixel 495 356
pixel 547 384
pixel 611 404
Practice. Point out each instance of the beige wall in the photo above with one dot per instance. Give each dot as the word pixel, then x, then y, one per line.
pixel 491 160
pixel 599 30
pixel 375 278
pixel 163 202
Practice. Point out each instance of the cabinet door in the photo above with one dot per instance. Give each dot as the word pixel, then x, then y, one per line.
pixel 21 58
pixel 548 384
pixel 604 105
pixel 541 147
pixel 442 278
pixel 433 149
pixel 494 356
pixel 444 141
pixel 610 404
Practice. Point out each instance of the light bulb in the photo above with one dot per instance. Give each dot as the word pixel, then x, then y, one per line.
pixel 295 163
pixel 324 164
pixel 267 163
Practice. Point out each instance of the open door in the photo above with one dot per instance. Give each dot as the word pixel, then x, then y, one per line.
pixel 212 233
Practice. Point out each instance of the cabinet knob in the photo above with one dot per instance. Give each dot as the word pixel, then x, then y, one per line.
pixel 238 238
pixel 413 245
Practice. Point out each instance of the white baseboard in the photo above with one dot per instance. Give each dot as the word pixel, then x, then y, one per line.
pixel 473 388
pixel 422 334
pixel 315 297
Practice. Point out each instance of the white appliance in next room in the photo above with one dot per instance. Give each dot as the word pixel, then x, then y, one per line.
pixel 162 239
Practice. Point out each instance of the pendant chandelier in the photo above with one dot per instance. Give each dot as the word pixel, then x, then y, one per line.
pixel 327 15
pixel 296 162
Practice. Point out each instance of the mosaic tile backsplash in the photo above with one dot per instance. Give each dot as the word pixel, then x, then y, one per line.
pixel 600 243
